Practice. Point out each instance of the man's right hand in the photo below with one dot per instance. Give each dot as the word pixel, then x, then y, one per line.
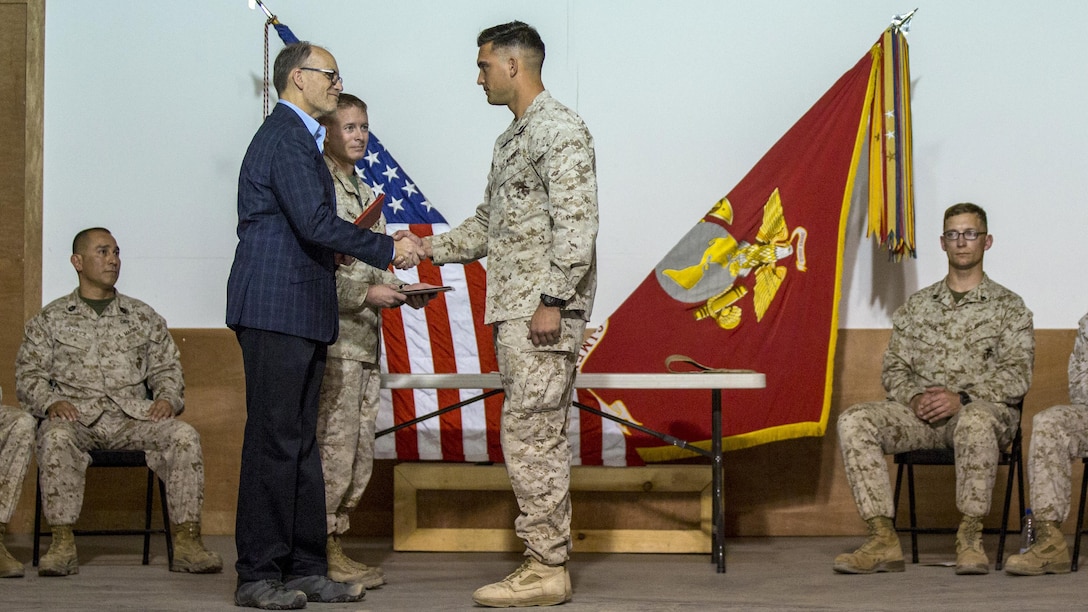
pixel 62 411
pixel 383 296
pixel 935 404
pixel 409 250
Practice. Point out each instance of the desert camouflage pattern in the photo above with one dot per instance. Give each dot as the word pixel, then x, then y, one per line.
pixel 537 224
pixel 1059 436
pixel 107 366
pixel 345 435
pixel 171 447
pixel 537 382
pixel 98 363
pixel 984 345
pixel 16 443
pixel 349 401
pixel 360 325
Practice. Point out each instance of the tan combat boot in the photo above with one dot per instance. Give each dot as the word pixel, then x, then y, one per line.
pixel 1048 555
pixel 344 569
pixel 190 554
pixel 9 565
pixel 61 559
pixel 971 559
pixel 532 584
pixel 880 552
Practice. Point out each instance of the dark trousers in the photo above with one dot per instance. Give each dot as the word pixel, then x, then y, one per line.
pixel 280 526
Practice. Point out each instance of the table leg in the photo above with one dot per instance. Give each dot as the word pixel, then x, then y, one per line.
pixel 718 539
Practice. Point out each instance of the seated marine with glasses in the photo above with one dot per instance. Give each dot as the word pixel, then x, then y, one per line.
pixel 958 362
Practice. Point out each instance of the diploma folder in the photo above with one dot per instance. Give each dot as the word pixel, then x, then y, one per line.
pixel 425 290
pixel 371 213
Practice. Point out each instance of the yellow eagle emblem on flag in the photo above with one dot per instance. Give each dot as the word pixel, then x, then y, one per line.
pixel 734 260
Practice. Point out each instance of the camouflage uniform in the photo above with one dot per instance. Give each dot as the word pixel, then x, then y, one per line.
pixel 16 440
pixel 1059 435
pixel 105 365
pixel 984 345
pixel 349 391
pixel 537 226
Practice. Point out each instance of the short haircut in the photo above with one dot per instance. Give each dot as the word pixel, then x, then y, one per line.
pixel 290 57
pixel 515 34
pixel 346 100
pixel 80 241
pixel 964 208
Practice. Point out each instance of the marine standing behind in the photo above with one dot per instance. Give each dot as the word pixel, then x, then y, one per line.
pixel 349 390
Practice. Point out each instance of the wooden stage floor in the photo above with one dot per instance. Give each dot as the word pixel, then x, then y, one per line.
pixel 762 574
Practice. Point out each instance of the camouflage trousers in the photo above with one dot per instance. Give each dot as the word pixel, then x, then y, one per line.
pixel 345 436
pixel 538 382
pixel 1059 435
pixel 172 450
pixel 16 441
pixel 869 431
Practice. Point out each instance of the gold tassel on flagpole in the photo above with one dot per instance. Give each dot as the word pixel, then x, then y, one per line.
pixel 891 163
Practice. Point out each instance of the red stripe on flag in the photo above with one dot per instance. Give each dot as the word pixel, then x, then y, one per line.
pixel 443 359
pixel 476 279
pixel 404 404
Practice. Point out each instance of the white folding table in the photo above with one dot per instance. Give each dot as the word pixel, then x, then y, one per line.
pixel 714 381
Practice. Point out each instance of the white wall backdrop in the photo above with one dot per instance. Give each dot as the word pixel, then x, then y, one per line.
pixel 150 107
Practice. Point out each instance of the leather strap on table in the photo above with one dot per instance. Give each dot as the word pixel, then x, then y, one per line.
pixel 698 368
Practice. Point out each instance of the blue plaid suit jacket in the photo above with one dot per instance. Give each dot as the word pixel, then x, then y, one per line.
pixel 283 276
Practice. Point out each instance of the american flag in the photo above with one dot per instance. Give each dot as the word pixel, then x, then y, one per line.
pixel 448 336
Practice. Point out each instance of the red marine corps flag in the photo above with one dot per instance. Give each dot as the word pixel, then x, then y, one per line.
pixel 755 284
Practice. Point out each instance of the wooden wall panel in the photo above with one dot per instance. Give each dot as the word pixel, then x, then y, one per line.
pixel 21 94
pixel 22 86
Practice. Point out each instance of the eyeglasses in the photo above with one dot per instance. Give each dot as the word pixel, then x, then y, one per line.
pixel 970 234
pixel 333 75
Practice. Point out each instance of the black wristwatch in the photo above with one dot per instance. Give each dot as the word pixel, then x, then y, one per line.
pixel 964 398
pixel 552 302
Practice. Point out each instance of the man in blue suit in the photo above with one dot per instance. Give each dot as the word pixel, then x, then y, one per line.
pixel 282 305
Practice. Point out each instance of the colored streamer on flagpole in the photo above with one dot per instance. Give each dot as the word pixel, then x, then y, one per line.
pixel 890 162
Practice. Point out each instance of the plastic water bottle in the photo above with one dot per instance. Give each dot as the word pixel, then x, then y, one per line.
pixel 1027 531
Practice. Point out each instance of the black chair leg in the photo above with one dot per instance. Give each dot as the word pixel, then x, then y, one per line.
pixel 895 498
pixel 149 501
pixel 37 523
pixel 913 516
pixel 1080 519
pixel 1013 465
pixel 166 525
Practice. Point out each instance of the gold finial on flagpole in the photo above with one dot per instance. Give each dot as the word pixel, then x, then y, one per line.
pixel 257 3
pixel 899 22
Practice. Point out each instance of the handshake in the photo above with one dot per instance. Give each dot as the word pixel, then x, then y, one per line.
pixel 410 249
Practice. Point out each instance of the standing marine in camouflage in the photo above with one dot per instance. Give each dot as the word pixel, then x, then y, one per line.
pixel 16 442
pixel 537 226
pixel 959 360
pixel 1059 435
pixel 349 390
pixel 103 372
